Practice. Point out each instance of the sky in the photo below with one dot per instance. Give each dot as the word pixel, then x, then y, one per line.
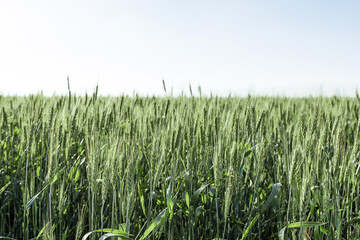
pixel 273 48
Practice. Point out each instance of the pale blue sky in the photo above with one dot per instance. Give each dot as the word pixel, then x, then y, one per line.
pixel 292 48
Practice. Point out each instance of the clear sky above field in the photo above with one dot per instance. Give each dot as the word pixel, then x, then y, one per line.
pixel 293 48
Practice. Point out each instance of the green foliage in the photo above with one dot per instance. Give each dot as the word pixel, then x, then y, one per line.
pixel 179 168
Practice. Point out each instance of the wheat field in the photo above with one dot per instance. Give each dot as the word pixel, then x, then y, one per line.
pixel 182 167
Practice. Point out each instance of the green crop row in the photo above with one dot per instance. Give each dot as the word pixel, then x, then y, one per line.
pixel 179 167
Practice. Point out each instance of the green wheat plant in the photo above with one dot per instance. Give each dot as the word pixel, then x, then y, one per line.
pixel 197 167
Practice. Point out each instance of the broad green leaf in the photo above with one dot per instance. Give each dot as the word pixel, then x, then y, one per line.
pixel 86 235
pixel 275 190
pixel 115 231
pixel 247 230
pixel 110 233
pixel 42 230
pixel 349 203
pixel 38 171
pixel 323 230
pixel 282 233
pixel 4 187
pixel 142 200
pixel 107 235
pixel 305 224
pixel 32 200
pixel 198 191
pixel 158 221
pixel 77 175
pixel 299 225
pixel 187 199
